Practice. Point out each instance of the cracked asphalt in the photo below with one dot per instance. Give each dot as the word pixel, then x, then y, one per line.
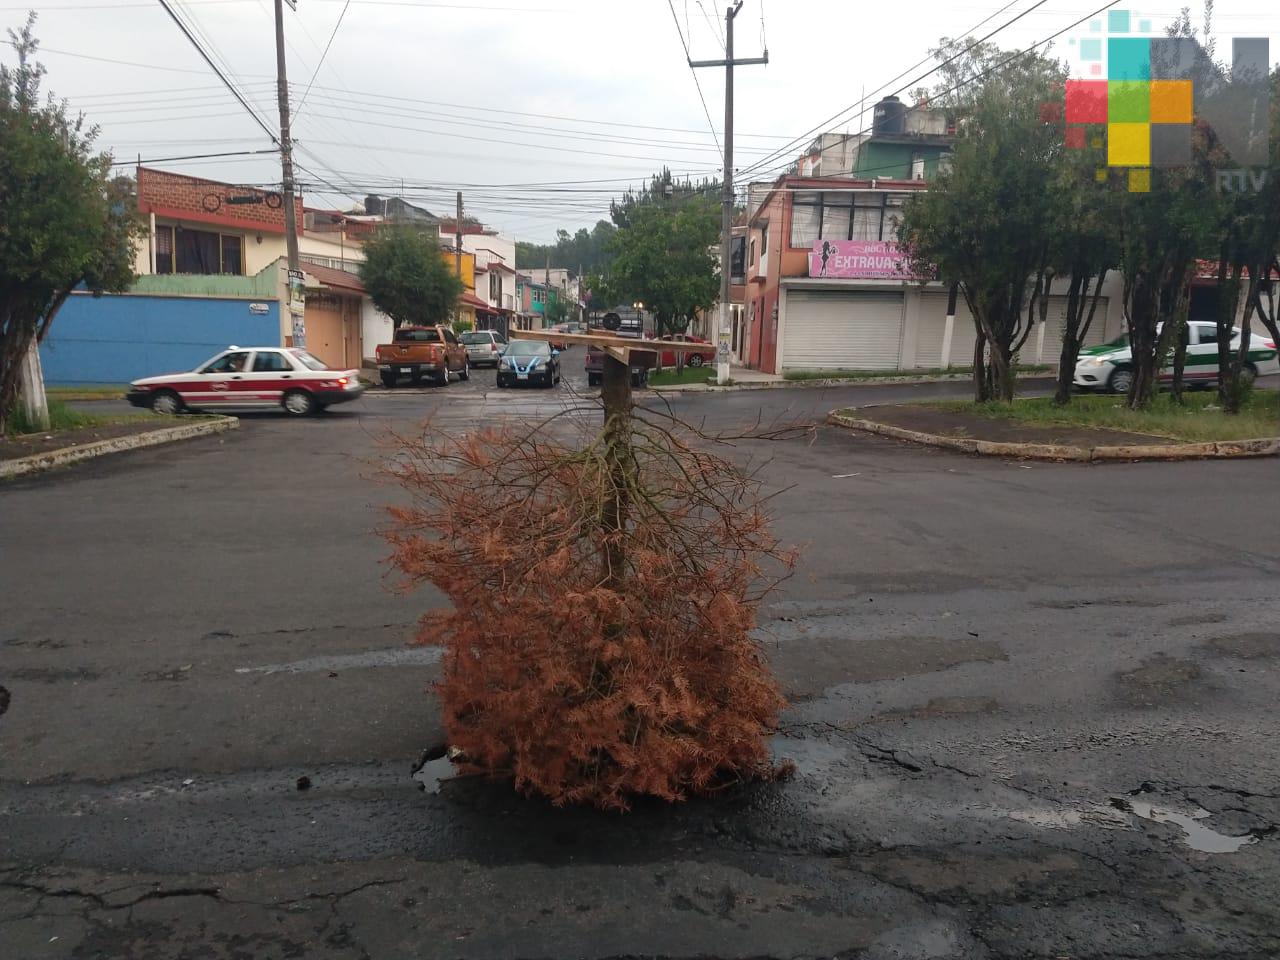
pixel 1028 704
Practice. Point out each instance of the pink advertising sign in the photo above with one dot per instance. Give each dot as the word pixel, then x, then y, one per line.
pixel 858 260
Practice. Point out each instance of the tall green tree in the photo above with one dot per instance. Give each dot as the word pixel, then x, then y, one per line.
pixel 408 278
pixel 987 222
pixel 664 256
pixel 64 222
pixel 586 250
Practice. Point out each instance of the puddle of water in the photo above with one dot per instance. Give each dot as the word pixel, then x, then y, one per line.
pixel 433 773
pixel 1197 835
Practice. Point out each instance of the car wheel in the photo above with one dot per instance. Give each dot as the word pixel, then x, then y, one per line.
pixel 388 380
pixel 1248 374
pixel 299 403
pixel 1121 380
pixel 166 402
pixel 465 374
pixel 695 360
pixel 593 379
pixel 442 380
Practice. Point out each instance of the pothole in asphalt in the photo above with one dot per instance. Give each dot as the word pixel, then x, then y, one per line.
pixel 1195 834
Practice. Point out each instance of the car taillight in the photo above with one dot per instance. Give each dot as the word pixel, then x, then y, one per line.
pixel 1268 344
pixel 493 348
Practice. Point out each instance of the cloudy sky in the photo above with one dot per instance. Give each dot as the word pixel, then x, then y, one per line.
pixel 539 110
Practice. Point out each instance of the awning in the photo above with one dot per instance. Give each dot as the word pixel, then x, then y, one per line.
pixel 332 279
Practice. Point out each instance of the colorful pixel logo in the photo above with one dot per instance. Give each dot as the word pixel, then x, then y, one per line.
pixel 1153 90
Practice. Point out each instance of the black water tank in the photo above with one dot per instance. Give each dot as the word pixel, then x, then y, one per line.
pixel 889 116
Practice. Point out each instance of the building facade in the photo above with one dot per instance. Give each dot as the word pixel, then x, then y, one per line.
pixel 828 288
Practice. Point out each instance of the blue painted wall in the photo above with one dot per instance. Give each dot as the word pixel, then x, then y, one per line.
pixel 118 338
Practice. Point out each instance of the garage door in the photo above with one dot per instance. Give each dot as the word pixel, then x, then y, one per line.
pixel 933 319
pixel 831 330
pixel 325 338
pixel 933 313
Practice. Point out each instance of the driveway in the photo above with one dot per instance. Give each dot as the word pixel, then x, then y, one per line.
pixel 1032 709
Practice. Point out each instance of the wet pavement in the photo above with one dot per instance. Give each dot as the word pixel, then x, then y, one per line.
pixel 1032 713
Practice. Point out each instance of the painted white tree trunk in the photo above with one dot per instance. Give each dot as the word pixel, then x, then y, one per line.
pixel 31 389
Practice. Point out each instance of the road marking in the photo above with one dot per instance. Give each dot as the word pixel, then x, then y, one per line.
pixel 395 657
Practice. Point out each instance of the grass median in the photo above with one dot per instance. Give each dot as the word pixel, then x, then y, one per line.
pixel 690 375
pixel 64 418
pixel 883 374
pixel 1199 419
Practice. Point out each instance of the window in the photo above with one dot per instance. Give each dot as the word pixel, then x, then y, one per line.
pixel 835 219
pixel 271 362
pixel 917 165
pixel 495 287
pixel 232 260
pixel 806 219
pixel 179 250
pixel 164 250
pixel 423 335
pixel 753 253
pixel 308 361
pixel 1208 335
pixel 228 363
pixel 866 223
pixel 764 242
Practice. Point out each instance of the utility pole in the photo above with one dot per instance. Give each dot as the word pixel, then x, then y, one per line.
pixel 297 302
pixel 726 216
pixel 457 237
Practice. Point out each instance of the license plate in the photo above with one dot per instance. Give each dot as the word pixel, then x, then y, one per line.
pixel 522 376
pixel 406 369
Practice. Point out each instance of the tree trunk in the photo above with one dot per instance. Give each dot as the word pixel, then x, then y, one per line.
pixel 1236 392
pixel 1228 304
pixel 1180 337
pixel 1070 352
pixel 616 394
pixel 1142 341
pixel 981 380
pixel 1002 374
pixel 35 404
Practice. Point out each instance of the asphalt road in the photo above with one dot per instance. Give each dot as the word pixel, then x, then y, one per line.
pixel 1032 709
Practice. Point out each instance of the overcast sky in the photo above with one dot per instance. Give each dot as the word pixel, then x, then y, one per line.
pixel 501 99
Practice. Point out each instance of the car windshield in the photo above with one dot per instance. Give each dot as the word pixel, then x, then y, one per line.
pixel 308 361
pixel 1118 342
pixel 471 339
pixel 528 348
pixel 430 335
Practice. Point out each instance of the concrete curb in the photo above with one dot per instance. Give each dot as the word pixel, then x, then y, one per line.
pixel 834 382
pixel 1213 450
pixel 24 466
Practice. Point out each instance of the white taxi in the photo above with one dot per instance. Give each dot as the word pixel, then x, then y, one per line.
pixel 250 378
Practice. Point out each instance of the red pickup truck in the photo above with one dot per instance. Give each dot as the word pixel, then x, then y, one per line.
pixel 418 352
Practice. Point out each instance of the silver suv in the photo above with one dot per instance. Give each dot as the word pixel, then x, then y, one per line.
pixel 483 347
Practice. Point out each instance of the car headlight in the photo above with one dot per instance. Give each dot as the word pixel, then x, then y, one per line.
pixel 1092 362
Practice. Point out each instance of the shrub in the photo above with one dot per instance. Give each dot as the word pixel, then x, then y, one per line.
pixel 603 594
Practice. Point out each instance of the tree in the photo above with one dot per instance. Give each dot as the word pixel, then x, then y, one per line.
pixel 408 278
pixel 557 309
pixel 67 223
pixel 664 256
pixel 585 250
pixel 986 223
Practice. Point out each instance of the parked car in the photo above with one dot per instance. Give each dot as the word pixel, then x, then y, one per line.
pixel 594 365
pixel 699 353
pixel 418 352
pixel 250 378
pixel 560 328
pixel 529 361
pixel 483 347
pixel 1109 367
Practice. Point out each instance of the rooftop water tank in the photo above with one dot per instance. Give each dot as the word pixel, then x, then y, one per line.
pixel 889 116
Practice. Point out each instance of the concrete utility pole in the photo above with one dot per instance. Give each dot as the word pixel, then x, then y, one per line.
pixel 726 216
pixel 457 237
pixel 296 295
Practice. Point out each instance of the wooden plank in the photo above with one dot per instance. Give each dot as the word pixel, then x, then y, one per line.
pixel 608 340
pixel 619 353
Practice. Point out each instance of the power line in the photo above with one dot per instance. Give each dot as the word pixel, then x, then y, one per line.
pixel 273 134
pixel 320 63
pixel 192 156
pixel 862 110
pixel 696 82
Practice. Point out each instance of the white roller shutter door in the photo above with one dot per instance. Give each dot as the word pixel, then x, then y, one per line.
pixel 842 330
pixel 933 319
